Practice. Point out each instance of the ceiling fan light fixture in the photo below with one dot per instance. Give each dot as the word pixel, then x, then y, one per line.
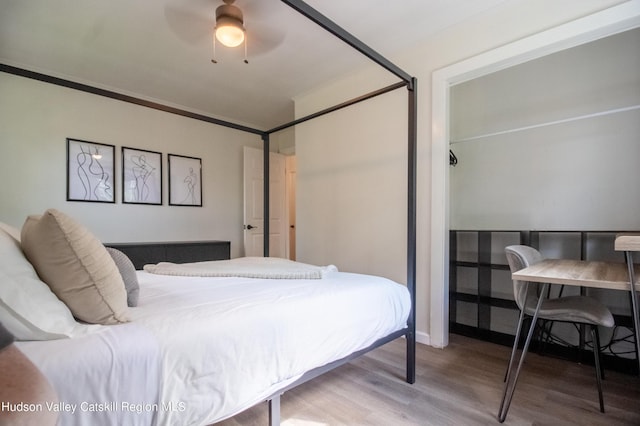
pixel 229 25
pixel 229 32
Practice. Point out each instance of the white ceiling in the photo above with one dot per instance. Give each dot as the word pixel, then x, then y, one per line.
pixel 161 50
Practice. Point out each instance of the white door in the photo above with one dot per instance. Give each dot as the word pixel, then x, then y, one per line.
pixel 290 164
pixel 254 204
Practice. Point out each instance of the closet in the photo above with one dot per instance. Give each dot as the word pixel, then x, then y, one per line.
pixel 546 154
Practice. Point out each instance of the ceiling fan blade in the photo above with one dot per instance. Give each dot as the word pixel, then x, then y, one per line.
pixel 258 9
pixel 262 38
pixel 192 22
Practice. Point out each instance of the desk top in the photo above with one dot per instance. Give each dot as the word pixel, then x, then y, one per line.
pixel 608 275
pixel 627 242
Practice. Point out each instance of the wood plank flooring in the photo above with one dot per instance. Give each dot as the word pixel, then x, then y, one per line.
pixel 459 385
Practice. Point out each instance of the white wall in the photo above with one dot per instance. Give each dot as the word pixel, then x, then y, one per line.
pixel 35 120
pixel 351 188
pixel 284 141
pixel 539 173
pixel 504 24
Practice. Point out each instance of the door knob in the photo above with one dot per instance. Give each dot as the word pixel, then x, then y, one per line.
pixel 249 227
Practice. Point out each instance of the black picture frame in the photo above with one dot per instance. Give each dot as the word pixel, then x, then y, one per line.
pixel 185 180
pixel 90 171
pixel 141 176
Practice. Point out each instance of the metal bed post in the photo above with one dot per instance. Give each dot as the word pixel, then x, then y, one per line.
pixel 411 228
pixel 305 10
pixel 274 410
pixel 265 214
pixel 312 14
pixel 123 98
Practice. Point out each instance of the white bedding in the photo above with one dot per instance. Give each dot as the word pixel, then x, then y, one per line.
pixel 247 267
pixel 110 377
pixel 217 346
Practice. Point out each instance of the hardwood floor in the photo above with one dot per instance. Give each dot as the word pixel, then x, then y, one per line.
pixel 459 385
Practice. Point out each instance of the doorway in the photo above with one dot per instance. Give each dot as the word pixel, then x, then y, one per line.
pixel 254 204
pixel 580 31
pixel 290 166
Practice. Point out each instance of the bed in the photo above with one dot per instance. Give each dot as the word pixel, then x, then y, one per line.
pixel 205 341
pixel 162 361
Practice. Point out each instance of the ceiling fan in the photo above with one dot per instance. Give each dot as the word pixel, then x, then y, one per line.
pixel 229 29
pixel 229 24
pixel 193 22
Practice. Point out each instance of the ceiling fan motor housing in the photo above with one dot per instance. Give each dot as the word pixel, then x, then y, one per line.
pixel 228 12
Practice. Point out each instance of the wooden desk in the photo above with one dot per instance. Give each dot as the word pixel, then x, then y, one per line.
pixel 578 273
pixel 627 242
pixel 608 275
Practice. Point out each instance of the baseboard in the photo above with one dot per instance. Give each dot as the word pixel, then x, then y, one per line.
pixel 423 338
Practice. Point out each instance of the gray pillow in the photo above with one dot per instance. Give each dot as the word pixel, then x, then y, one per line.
pixel 128 272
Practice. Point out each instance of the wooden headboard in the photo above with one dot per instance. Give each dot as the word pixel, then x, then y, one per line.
pixel 174 251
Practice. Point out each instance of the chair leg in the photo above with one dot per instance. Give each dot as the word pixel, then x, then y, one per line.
pixel 545 335
pixel 549 322
pixel 510 385
pixel 538 335
pixel 595 338
pixel 599 353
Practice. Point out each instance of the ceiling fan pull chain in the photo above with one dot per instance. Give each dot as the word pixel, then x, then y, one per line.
pixel 245 47
pixel 214 50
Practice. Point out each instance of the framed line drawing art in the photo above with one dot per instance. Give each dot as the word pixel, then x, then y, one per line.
pixel 185 181
pixel 141 176
pixel 90 171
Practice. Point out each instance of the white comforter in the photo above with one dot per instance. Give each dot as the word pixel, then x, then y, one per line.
pixel 109 377
pixel 217 346
pixel 247 267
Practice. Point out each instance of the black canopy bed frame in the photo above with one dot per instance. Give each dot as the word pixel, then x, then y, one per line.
pixel 406 80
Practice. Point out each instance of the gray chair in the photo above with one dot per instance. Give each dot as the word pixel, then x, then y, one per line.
pixel 574 309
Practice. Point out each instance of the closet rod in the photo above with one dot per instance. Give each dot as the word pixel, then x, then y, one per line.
pixel 549 123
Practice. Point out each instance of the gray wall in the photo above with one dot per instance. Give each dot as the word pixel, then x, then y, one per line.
pixel 35 120
pixel 578 174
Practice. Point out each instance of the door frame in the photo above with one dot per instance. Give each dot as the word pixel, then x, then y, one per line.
pixel 267 191
pixel 290 193
pixel 614 20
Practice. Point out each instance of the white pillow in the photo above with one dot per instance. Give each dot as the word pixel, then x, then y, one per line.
pixel 28 308
pixel 76 267
pixel 13 231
